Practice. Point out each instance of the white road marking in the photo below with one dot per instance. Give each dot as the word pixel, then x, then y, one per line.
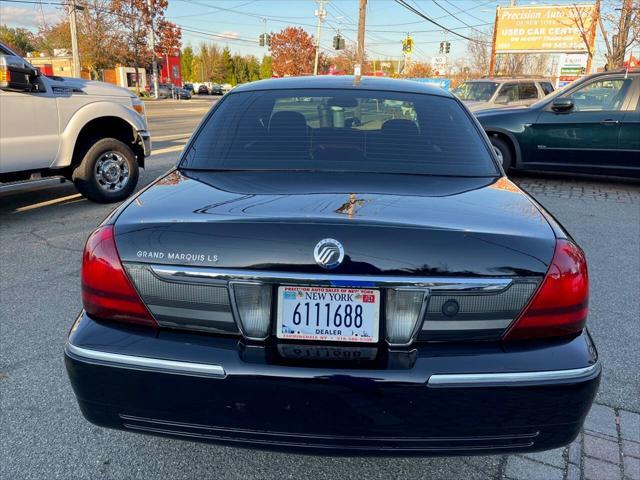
pixel 160 151
pixel 175 136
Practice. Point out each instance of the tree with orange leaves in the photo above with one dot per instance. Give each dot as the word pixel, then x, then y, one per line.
pixel 135 19
pixel 293 52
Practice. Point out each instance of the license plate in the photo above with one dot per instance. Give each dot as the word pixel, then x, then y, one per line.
pixel 327 352
pixel 328 314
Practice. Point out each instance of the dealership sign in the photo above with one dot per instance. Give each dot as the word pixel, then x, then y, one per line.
pixel 544 28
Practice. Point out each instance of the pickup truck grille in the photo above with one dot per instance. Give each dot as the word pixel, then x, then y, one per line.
pixel 458 308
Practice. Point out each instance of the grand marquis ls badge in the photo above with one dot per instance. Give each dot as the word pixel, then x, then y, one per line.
pixel 328 253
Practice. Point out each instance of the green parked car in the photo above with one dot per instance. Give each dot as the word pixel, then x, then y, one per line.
pixel 590 126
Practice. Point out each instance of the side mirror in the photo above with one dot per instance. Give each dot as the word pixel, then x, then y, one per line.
pixel 16 75
pixel 562 104
pixel 502 99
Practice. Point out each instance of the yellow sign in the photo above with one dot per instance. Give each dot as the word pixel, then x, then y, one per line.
pixel 544 28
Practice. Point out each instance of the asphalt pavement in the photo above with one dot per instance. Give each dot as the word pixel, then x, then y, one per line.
pixel 44 436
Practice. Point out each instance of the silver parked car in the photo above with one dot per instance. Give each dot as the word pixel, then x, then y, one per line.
pixel 500 92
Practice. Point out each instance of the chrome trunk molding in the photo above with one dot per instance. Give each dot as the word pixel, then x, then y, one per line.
pixel 181 273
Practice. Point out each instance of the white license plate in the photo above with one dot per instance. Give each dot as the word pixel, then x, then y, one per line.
pixel 329 314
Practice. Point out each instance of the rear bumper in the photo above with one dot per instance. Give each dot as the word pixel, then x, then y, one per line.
pixel 430 400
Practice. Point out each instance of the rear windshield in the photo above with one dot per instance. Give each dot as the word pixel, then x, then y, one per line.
pixel 476 91
pixel 340 130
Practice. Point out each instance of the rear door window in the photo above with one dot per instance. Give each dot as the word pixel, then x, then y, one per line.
pixel 527 91
pixel 547 88
pixel 341 130
pixel 509 90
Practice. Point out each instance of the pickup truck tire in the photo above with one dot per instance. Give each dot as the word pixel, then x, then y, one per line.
pixel 108 171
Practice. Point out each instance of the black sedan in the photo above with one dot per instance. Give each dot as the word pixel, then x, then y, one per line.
pixel 203 90
pixel 336 267
pixel 592 126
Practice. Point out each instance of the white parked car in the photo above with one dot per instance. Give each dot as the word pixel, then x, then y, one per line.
pixel 92 133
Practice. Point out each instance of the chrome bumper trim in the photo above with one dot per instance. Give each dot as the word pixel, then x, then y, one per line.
pixel 174 273
pixel 513 379
pixel 145 363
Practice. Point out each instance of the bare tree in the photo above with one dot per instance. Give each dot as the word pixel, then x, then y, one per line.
pixel 479 52
pixel 620 30
pixel 513 64
pixel 585 20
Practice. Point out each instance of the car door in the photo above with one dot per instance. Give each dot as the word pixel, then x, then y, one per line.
pixel 527 93
pixel 507 95
pixel 585 137
pixel 629 141
pixel 29 131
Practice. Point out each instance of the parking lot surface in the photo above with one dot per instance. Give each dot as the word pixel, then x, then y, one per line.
pixel 44 435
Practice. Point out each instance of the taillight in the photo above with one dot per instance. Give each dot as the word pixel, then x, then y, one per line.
pixel 560 305
pixel 107 292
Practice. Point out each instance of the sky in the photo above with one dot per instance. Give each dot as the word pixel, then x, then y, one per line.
pixel 238 23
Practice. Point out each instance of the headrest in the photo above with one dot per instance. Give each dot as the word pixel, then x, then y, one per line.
pixel 287 123
pixel 400 127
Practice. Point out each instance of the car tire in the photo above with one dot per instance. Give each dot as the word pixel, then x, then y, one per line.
pixel 503 151
pixel 108 171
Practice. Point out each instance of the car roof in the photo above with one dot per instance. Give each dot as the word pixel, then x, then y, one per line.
pixel 510 79
pixel 343 82
pixel 634 72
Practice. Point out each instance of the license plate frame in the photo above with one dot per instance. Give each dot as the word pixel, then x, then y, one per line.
pixel 367 333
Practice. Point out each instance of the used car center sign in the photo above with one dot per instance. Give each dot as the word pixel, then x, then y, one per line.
pixel 545 28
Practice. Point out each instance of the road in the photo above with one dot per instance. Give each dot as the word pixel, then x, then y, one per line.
pixel 44 435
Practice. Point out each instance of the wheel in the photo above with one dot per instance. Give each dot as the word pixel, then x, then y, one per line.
pixel 108 171
pixel 503 152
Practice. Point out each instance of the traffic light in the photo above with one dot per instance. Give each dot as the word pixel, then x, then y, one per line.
pixel 338 42
pixel 407 45
pixel 264 39
pixel 447 47
pixel 441 47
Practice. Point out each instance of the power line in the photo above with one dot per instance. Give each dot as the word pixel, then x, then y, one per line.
pixel 430 20
pixel 454 16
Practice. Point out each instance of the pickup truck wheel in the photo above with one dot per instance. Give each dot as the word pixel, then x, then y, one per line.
pixel 108 172
pixel 503 152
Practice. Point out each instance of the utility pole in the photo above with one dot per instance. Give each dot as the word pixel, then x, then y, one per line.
pixel 75 68
pixel 492 58
pixel 320 13
pixel 362 14
pixel 152 44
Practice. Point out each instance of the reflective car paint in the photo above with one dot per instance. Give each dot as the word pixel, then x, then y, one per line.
pixel 597 142
pixel 267 218
pixel 379 405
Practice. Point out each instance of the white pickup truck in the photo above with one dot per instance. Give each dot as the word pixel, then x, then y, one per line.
pixel 51 129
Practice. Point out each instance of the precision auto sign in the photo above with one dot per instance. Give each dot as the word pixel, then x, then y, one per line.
pixel 544 28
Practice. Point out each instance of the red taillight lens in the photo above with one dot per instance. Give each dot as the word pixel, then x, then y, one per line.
pixel 560 305
pixel 107 292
